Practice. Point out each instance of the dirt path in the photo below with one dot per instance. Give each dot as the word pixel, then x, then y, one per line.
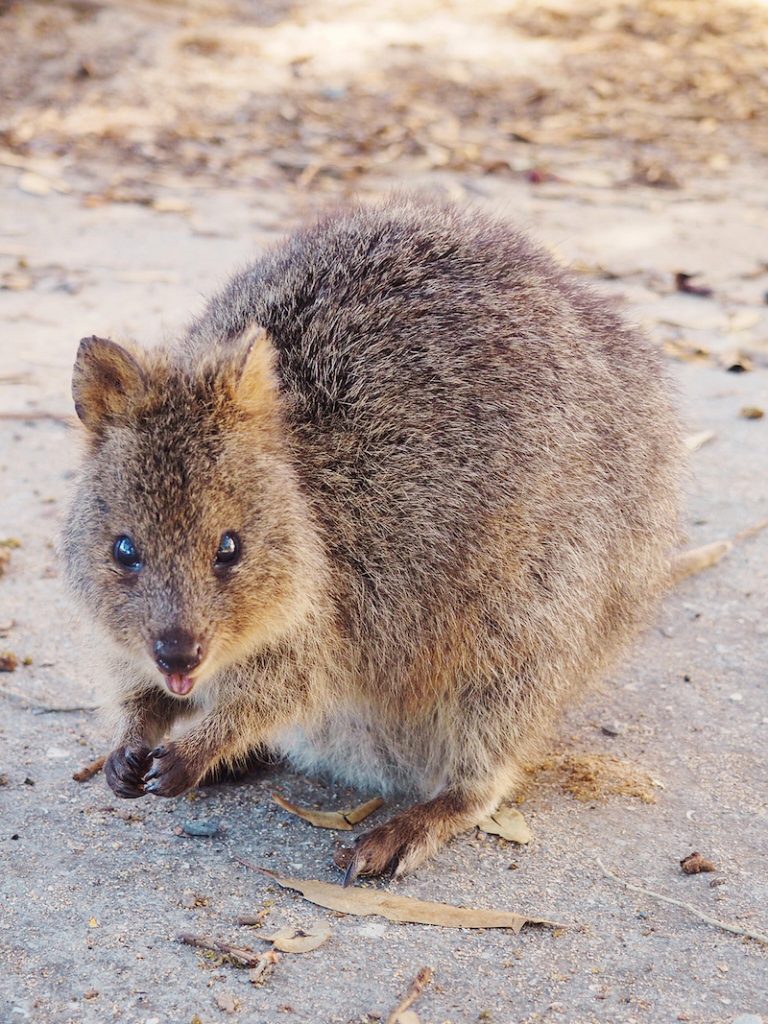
pixel 95 890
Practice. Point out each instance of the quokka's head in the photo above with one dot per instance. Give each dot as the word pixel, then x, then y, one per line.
pixel 187 539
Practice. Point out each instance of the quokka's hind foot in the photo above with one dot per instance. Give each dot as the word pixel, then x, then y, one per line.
pixel 404 842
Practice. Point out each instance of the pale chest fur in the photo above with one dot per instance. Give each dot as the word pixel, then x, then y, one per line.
pixel 358 746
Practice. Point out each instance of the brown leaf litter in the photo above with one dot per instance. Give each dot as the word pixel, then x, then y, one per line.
pixel 678 83
pixel 367 902
pixel 508 823
pixel 299 939
pixel 343 820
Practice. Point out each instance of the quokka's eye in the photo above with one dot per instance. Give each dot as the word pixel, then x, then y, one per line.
pixel 125 554
pixel 228 552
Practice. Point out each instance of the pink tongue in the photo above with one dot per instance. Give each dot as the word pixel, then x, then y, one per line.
pixel 179 684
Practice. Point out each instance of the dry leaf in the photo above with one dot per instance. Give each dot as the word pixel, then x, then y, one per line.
pixel 402 909
pixel 687 351
pixel 406 1017
pixel 299 940
pixel 508 823
pixel 695 441
pixel 343 820
pixel 689 562
pixel 751 412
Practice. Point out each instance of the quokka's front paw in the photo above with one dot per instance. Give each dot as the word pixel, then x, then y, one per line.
pixel 396 847
pixel 171 773
pixel 124 771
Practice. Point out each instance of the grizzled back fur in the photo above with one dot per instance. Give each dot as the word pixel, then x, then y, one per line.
pixel 456 486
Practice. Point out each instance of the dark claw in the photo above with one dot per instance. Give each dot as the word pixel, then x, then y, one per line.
pixel 150 787
pixel 151 774
pixel 351 873
pixel 134 759
pixel 159 752
pixel 128 794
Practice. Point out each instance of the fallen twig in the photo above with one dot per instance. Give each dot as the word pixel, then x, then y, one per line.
pixel 90 769
pixel 757 936
pixel 247 863
pixel 415 989
pixel 241 956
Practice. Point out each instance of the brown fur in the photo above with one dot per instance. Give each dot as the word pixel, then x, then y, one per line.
pixel 454 472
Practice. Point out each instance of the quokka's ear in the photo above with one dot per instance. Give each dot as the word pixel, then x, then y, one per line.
pixel 106 381
pixel 255 378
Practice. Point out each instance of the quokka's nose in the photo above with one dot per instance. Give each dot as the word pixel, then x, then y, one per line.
pixel 177 652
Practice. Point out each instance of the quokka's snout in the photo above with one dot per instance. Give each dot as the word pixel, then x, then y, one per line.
pixel 400 492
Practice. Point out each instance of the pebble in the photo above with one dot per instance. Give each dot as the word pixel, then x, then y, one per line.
pixel 201 829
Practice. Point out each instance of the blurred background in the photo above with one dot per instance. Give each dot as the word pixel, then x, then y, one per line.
pixel 121 101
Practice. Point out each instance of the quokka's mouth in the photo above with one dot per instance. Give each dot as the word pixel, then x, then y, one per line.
pixel 178 684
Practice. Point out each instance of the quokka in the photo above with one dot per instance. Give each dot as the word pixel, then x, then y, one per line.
pixel 401 491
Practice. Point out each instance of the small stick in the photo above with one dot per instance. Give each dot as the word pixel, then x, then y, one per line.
pixel 757 936
pixel 245 957
pixel 90 769
pixel 247 863
pixel 415 989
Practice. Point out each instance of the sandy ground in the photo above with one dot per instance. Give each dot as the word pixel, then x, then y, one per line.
pixel 96 890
